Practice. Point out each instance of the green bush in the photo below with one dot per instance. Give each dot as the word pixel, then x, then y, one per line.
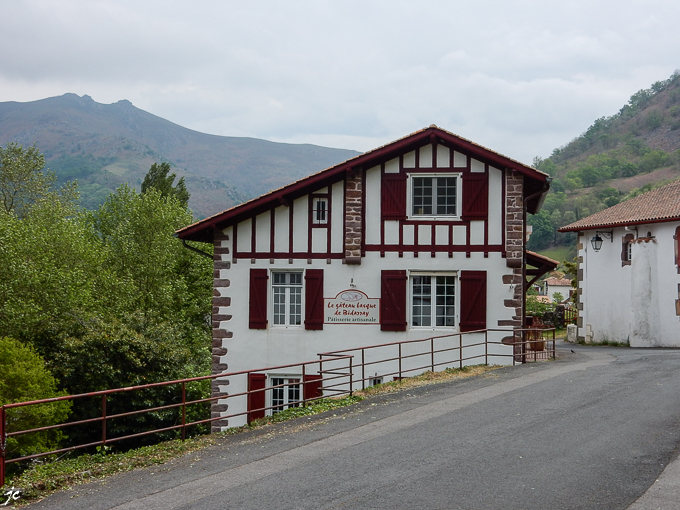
pixel 23 377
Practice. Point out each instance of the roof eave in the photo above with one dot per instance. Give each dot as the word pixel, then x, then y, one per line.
pixel 567 228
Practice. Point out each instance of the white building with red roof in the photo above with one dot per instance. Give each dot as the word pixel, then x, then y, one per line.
pixel 428 232
pixel 629 271
pixel 553 285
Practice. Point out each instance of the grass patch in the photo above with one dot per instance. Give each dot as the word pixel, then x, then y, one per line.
pixel 426 378
pixel 610 343
pixel 53 475
pixel 559 253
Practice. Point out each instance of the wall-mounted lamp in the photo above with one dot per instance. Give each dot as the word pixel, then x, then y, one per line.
pixel 597 240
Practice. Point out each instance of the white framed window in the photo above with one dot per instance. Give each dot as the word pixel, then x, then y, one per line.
pixel 433 300
pixel 434 195
pixel 320 211
pixel 286 298
pixel 285 392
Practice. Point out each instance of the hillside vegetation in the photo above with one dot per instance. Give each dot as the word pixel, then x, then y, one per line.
pixel 617 158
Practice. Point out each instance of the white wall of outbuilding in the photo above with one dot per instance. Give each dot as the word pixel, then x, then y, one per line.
pixel 633 303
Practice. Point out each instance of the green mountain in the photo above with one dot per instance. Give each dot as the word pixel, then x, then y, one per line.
pixel 618 157
pixel 105 145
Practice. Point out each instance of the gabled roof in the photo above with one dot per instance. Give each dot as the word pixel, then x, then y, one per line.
pixel 659 205
pixel 558 282
pixel 203 230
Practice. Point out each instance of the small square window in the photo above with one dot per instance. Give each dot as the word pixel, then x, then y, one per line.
pixel 320 211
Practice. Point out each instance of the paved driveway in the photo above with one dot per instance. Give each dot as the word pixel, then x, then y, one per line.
pixel 592 430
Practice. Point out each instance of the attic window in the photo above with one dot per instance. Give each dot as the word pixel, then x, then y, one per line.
pixel 434 195
pixel 320 211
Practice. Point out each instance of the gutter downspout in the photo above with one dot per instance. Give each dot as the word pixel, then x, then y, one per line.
pixel 188 246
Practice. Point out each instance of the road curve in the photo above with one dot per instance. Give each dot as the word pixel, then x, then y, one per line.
pixel 594 429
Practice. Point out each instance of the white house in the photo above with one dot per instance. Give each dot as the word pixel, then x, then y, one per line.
pixel 561 285
pixel 629 271
pixel 425 233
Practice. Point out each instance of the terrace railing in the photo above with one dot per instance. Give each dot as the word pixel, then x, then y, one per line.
pixel 341 372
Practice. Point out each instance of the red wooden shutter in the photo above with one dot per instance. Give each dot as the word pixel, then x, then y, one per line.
pixel 625 240
pixel 393 197
pixel 676 237
pixel 472 300
pixel 314 299
pixel 312 387
pixel 258 299
pixel 256 401
pixel 393 300
pixel 475 196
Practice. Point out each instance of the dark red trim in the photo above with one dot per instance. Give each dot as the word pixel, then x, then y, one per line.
pixel 472 300
pixel 253 231
pixel 363 213
pixel 435 247
pixel 256 400
pixel 257 299
pixel 393 300
pixel 235 245
pixel 314 311
pixel 272 229
pixel 312 386
pixel 434 222
pixel 290 228
pixel 286 255
pixel 330 217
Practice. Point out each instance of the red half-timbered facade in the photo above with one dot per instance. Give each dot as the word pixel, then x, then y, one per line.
pixel 419 237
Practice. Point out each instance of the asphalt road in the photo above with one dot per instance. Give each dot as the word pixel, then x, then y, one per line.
pixel 592 430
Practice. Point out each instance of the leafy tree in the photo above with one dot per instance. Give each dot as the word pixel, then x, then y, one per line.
pixel 163 280
pixel 22 179
pixel 53 277
pixel 23 377
pixel 543 231
pixel 157 177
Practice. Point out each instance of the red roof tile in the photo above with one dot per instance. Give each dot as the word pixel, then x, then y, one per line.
pixel 661 204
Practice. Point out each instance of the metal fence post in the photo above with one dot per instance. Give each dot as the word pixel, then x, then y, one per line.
pixel 486 347
pixel 400 361
pixel 184 411
pixel 432 352
pixel 351 377
pixel 3 444
pixel 363 369
pixel 104 419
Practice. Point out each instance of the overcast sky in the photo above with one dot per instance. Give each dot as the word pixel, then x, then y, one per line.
pixel 519 77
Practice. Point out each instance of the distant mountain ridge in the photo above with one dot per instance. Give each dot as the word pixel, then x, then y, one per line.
pixel 105 145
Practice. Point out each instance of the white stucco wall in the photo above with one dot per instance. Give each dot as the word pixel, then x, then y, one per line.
pixel 253 349
pixel 636 302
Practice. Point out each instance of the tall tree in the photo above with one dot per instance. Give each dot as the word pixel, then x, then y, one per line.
pixel 159 177
pixel 23 180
